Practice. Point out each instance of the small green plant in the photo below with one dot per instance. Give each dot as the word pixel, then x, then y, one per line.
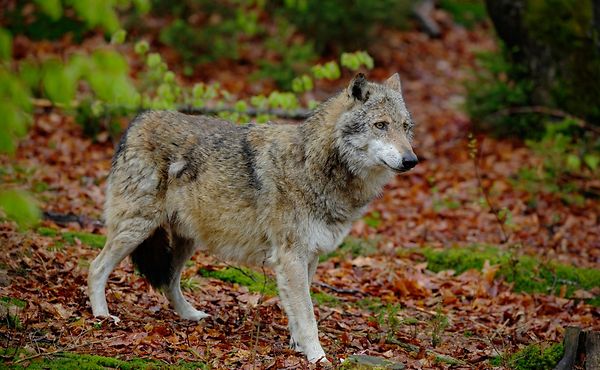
pixel 438 323
pixel 9 312
pixel 191 284
pixel 569 162
pixel 388 320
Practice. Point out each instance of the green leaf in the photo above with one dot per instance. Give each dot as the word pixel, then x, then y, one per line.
pixel 5 44
pixel 141 47
pixel 7 142
pixel 15 120
pixel 118 37
pixel 573 162
pixel 142 6
pixel 60 83
pixel 153 60
pixel 169 77
pixel 109 61
pixel 592 161
pixel 20 207
pixel 241 106
pixel 30 73
pixel 52 8
pixel 13 90
pixel 354 61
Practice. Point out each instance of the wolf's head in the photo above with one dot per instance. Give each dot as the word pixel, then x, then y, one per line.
pixel 376 131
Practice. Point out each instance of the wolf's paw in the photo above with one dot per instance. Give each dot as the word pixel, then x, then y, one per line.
pixel 195 315
pixel 322 361
pixel 108 317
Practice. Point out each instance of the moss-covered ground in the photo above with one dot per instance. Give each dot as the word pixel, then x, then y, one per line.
pixel 75 361
pixel 527 273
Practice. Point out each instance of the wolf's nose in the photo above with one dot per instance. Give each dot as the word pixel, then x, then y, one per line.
pixel 410 161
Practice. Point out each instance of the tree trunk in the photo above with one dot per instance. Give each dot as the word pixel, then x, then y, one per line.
pixel 507 17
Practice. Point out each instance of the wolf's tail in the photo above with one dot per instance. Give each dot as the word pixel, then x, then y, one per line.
pixel 154 258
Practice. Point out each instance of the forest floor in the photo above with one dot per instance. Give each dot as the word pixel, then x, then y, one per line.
pixel 429 277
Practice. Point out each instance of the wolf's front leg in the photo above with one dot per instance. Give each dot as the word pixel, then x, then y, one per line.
pixel 292 281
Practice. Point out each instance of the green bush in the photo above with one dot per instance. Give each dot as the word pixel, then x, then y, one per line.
pixel 557 67
pixel 492 93
pixel 302 30
pixel 343 24
pixel 571 158
pixel 465 12
pixel 51 19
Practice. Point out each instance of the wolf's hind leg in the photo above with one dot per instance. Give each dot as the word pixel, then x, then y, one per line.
pixel 119 244
pixel 184 250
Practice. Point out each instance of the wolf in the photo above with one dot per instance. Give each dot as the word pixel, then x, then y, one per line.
pixel 275 195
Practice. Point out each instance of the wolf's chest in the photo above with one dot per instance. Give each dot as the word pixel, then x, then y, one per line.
pixel 322 237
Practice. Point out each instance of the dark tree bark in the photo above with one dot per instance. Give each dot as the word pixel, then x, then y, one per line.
pixel 507 17
pixel 597 22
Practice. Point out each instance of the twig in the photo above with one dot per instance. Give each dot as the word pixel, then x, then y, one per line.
pixel 296 114
pixel 66 349
pixel 239 269
pixel 424 310
pixel 547 111
pixel 257 322
pixel 326 316
pixel 337 290
pixel 64 219
pixel 476 159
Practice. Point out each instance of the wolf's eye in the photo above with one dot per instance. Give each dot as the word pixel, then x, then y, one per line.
pixel 406 126
pixel 380 125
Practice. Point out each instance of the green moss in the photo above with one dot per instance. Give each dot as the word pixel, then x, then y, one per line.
pixel 373 219
pixel 325 299
pixel 13 302
pixel 40 187
pixel 373 304
pixel 46 231
pixel 351 248
pixel 12 319
pixel 536 357
pixel 255 281
pixel 91 362
pixel 93 240
pixel 527 273
pixel 71 237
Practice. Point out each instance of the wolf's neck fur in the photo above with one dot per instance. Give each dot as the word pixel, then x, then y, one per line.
pixel 327 171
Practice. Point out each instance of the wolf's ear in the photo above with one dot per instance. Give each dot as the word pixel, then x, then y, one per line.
pixel 358 88
pixel 393 82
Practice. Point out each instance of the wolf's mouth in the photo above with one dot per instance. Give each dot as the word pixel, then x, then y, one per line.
pixel 398 170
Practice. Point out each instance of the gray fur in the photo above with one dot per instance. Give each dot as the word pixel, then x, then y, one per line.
pixel 278 195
